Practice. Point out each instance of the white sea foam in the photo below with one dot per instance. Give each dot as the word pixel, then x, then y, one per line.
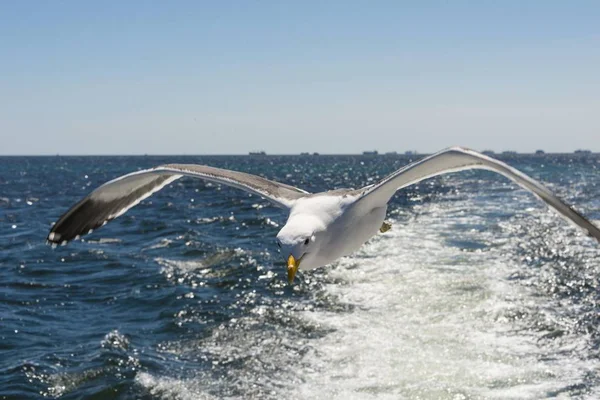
pixel 432 321
pixel 172 388
pixel 419 319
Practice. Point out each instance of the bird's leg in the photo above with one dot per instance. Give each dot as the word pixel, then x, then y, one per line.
pixel 386 226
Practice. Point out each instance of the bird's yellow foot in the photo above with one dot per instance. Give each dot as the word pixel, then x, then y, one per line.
pixel 386 226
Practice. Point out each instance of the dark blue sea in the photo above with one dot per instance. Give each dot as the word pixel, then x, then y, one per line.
pixel 479 291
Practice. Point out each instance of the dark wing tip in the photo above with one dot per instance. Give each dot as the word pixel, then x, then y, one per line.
pixel 595 234
pixel 106 203
pixel 589 227
pixel 81 219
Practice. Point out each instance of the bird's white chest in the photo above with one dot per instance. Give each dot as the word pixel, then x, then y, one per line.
pixel 343 228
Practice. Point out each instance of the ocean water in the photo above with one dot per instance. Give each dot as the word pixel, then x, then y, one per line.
pixel 479 291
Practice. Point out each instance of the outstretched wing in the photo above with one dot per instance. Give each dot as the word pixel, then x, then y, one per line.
pixel 459 159
pixel 115 197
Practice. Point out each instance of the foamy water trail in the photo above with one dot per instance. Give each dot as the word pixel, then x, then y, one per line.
pixel 411 316
pixel 433 321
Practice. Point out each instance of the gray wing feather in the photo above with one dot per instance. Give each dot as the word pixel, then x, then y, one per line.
pixel 115 197
pixel 459 159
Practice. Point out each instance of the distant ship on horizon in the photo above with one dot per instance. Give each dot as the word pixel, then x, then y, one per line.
pixel 257 153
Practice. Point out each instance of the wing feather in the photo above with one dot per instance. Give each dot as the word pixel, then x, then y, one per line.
pixel 115 197
pixel 458 159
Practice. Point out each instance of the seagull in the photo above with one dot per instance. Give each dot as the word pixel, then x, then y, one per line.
pixel 321 227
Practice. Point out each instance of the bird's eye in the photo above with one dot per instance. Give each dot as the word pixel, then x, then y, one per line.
pixel 307 241
pixel 278 244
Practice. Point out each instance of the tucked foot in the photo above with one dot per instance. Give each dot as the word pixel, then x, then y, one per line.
pixel 386 226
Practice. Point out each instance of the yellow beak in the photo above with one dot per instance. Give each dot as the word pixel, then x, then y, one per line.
pixel 292 268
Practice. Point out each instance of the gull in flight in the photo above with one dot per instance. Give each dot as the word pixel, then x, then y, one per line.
pixel 321 227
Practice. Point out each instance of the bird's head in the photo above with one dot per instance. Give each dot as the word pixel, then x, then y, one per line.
pixel 299 242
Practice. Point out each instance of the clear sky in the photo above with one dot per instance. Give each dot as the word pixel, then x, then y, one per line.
pixel 211 77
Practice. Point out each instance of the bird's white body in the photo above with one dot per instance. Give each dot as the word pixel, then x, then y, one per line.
pixel 336 225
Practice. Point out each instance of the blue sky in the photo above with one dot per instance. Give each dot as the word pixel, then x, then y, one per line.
pixel 196 77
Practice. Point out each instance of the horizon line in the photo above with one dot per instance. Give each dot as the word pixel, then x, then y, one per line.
pixel 309 154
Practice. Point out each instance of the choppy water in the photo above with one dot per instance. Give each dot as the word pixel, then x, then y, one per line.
pixel 478 291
